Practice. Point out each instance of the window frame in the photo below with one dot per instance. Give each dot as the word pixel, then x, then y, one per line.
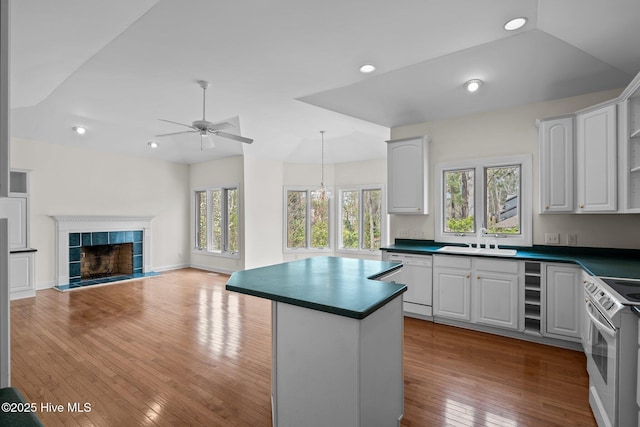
pixel 224 252
pixel 524 238
pixel 285 215
pixel 383 218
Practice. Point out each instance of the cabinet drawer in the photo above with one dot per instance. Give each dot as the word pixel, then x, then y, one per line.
pixel 452 261
pixel 499 266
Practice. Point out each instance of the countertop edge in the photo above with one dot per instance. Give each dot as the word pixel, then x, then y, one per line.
pixel 586 261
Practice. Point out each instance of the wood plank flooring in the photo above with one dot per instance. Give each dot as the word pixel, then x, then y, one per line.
pixel 178 349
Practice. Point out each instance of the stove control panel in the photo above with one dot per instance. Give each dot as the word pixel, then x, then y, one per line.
pixel 602 297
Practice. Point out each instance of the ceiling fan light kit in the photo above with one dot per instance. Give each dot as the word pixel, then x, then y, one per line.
pixel 205 127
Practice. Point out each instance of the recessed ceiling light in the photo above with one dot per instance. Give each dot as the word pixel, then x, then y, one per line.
pixel 515 24
pixel 152 144
pixel 473 85
pixel 367 68
pixel 80 130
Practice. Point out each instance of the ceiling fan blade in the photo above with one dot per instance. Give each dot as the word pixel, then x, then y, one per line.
pixel 221 126
pixel 177 133
pixel 232 136
pixel 176 123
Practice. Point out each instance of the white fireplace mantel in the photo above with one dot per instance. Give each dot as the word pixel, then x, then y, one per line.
pixel 66 224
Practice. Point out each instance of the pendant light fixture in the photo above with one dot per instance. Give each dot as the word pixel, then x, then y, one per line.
pixel 324 192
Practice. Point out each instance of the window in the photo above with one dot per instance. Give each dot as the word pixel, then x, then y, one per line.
pixel 307 219
pixel 216 219
pixel 361 225
pixel 494 194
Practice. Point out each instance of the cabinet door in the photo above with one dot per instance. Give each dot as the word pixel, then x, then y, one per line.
pixel 563 301
pixel 15 209
pixel 407 172
pixel 20 272
pixel 596 160
pixel 495 299
pixel 556 165
pixel 452 293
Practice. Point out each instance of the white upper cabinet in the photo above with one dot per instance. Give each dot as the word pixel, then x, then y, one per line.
pixel 596 160
pixel 629 148
pixel 407 175
pixel 556 165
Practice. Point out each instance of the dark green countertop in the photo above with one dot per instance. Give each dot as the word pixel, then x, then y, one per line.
pixel 342 286
pixel 602 262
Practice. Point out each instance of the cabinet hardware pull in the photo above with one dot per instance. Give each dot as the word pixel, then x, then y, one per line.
pixel 468 275
pixel 581 206
pixel 478 277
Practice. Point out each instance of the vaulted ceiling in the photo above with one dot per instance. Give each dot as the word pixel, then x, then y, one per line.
pixel 283 70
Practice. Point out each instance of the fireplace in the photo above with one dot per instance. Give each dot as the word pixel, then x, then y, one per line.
pixel 93 250
pixel 101 261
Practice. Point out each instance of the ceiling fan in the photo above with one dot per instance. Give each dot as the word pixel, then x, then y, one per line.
pixel 204 127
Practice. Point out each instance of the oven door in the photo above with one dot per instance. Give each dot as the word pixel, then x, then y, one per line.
pixel 602 361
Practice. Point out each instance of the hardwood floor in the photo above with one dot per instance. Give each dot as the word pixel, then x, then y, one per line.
pixel 178 349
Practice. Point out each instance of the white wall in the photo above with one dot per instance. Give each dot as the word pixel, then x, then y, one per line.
pixel 76 181
pixel 215 173
pixel 510 132
pixel 264 211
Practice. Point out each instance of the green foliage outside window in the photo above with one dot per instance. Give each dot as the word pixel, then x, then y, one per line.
pixel 350 215
pixel 233 239
pixel 217 228
pixel 296 219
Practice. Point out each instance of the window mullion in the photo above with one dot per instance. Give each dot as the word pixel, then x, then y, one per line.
pixel 360 218
pixel 308 220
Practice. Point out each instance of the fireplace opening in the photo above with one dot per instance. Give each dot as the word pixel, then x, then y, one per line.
pixel 106 260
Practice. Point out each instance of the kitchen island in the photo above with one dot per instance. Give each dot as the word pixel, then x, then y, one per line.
pixel 337 334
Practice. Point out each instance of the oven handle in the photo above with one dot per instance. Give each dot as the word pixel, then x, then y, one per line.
pixel 608 329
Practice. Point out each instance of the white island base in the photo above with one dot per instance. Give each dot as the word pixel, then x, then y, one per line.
pixel 332 370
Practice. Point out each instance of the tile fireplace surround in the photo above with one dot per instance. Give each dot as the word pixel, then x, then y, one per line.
pixel 71 228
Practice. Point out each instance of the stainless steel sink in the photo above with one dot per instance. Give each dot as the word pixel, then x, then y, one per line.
pixel 478 251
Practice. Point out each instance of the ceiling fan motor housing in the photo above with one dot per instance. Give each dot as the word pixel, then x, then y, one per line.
pixel 202 125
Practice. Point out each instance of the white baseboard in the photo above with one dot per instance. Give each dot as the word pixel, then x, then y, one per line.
pixel 212 269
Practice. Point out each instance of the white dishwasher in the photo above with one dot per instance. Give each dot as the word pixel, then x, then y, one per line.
pixel 416 274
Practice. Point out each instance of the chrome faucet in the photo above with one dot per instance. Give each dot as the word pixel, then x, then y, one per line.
pixel 481 233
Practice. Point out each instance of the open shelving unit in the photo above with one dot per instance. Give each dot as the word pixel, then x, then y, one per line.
pixel 532 298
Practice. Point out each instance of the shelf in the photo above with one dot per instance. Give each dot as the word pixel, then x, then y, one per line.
pixel 531 315
pixel 532 302
pixel 532 268
pixel 635 134
pixel 534 332
pixel 636 169
pixel 534 288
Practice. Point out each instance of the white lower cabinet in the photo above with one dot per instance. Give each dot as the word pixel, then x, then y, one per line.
pixel 564 302
pixel 495 293
pixel 452 287
pixel 482 291
pixel 21 275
